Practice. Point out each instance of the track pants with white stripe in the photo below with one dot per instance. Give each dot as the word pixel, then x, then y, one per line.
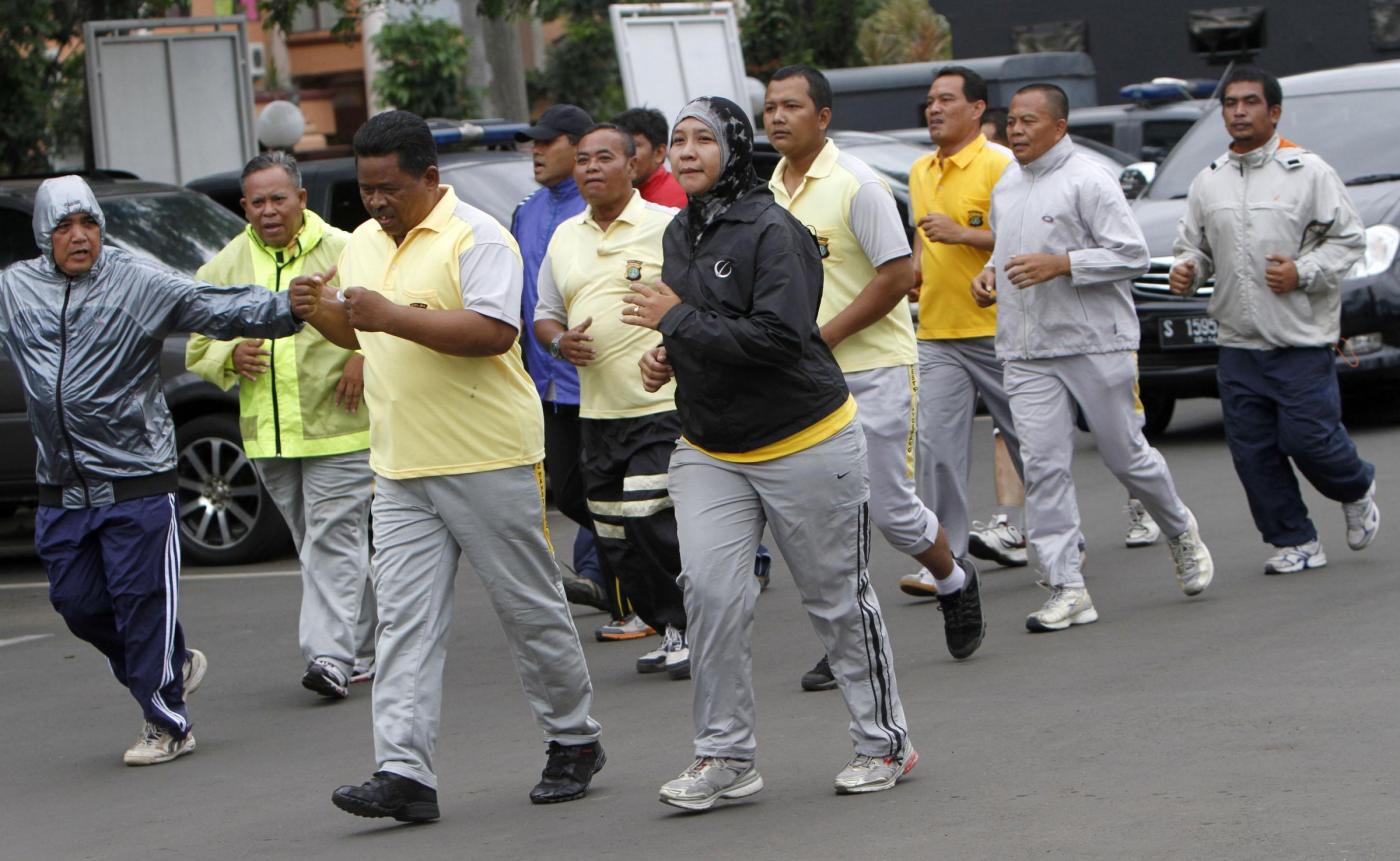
pixel 815 503
pixel 624 463
pixel 114 575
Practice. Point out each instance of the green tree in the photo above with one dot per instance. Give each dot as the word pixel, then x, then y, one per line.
pixel 769 34
pixel 905 31
pixel 425 68
pixel 42 79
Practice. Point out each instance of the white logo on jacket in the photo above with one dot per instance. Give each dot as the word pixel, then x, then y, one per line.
pixel 724 268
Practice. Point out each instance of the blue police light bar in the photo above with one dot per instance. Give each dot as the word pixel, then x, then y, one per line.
pixel 483 133
pixel 1168 90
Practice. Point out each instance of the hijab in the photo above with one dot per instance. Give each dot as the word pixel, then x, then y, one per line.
pixel 736 177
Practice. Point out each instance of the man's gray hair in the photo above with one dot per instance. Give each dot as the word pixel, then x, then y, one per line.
pixel 273 158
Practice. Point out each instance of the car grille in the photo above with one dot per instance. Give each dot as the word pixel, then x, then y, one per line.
pixel 1154 282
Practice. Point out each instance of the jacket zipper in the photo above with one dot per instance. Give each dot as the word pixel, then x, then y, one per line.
pixel 1022 295
pixel 58 393
pixel 272 362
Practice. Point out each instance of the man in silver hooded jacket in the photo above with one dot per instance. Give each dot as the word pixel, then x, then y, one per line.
pixel 84 326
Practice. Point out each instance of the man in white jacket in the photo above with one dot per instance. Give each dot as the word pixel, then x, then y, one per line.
pixel 1273 223
pixel 1066 248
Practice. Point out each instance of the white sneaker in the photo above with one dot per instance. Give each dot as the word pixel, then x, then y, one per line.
pixel 1363 519
pixel 655 660
pixel 156 744
pixel 363 671
pixel 875 773
pixel 630 628
pixel 1067 605
pixel 1194 567
pixel 1291 560
pixel 709 779
pixel 196 665
pixel 920 585
pixel 998 541
pixel 1142 529
pixel 677 654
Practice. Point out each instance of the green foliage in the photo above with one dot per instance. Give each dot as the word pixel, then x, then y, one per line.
pixel 905 31
pixel 43 94
pixel 581 69
pixel 425 68
pixel 777 33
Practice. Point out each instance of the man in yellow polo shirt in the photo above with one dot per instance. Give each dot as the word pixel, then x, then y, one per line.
pixel 627 434
pixel 456 440
pixel 865 321
pixel 302 427
pixel 950 194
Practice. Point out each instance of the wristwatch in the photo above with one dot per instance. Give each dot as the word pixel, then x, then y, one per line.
pixel 554 345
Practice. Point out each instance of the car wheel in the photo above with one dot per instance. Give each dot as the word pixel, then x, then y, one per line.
pixel 1158 411
pixel 226 516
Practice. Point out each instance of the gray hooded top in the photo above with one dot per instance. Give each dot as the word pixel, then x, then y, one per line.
pixel 87 350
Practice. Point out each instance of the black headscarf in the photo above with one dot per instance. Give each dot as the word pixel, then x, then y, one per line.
pixel 737 177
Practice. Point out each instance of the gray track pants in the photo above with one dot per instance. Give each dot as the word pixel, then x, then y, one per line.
pixel 325 501
pixel 886 401
pixel 421 527
pixel 953 373
pixel 815 503
pixel 1043 397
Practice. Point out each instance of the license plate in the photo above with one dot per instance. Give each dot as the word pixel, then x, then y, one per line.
pixel 1179 332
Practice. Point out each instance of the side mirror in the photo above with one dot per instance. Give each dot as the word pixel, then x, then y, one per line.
pixel 1136 177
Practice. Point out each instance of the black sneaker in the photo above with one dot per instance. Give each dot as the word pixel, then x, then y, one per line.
pixel 581 590
pixel 568 771
pixel 326 679
pixel 819 678
pixel 963 625
pixel 386 794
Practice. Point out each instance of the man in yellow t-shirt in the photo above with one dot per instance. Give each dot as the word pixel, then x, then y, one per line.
pixel 626 433
pixel 950 193
pixel 456 443
pixel 865 321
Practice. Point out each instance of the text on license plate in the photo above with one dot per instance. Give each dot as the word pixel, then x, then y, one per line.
pixel 1187 332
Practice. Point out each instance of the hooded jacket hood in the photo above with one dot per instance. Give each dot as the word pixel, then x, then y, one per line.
pixel 57 199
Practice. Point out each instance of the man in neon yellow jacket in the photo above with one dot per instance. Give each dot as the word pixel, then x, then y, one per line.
pixel 302 422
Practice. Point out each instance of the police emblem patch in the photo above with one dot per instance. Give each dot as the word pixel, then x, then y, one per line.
pixel 634 270
pixel 974 218
pixel 823 247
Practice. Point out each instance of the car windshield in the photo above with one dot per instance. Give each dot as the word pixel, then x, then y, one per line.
pixel 893 159
pixel 496 187
pixel 181 230
pixel 1364 150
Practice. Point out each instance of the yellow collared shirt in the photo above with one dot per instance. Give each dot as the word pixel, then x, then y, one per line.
pixel 585 273
pixel 960 187
pixel 431 413
pixel 853 215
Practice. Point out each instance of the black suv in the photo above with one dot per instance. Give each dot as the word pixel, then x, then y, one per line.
pixel 225 515
pixel 1340 115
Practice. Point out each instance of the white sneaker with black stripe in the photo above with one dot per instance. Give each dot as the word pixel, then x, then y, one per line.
pixel 156 744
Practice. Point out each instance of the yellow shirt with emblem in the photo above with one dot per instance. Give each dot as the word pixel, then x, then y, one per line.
pixel 431 413
pixel 585 273
pixel 850 210
pixel 960 187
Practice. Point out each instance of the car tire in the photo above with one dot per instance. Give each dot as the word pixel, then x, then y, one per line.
pixel 1157 413
pixel 226 515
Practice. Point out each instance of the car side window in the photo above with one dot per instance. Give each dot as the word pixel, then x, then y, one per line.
pixel 1101 132
pixel 16 236
pixel 347 209
pixel 1159 136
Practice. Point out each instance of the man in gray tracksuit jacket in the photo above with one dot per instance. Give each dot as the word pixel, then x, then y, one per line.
pixel 84 325
pixel 1273 223
pixel 1066 247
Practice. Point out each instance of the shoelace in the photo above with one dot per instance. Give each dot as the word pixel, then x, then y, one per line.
pixel 674 641
pixel 700 766
pixel 150 734
pixel 1355 513
pixel 562 759
pixel 1184 555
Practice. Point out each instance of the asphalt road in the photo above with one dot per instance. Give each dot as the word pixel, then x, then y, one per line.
pixel 1258 721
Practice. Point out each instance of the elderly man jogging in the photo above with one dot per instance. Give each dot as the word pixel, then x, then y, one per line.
pixel 308 439
pixel 1274 224
pixel 84 325
pixel 1066 245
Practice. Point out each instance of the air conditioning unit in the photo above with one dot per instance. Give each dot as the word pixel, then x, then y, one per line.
pixel 257 60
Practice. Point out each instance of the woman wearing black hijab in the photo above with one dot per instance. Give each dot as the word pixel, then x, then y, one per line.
pixel 770 438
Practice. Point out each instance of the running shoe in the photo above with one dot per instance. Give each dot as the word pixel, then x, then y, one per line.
pixel 709 779
pixel 875 773
pixel 1067 605
pixel 630 628
pixel 1142 529
pixel 1363 519
pixel 998 541
pixel 156 744
pixel 1300 557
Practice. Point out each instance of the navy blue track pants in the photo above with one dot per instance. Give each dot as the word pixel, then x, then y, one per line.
pixel 114 575
pixel 1285 404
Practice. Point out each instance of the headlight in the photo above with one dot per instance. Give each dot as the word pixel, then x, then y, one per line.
pixel 1382 241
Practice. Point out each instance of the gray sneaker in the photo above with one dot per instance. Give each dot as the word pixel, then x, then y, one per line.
pixel 156 744
pixel 709 779
pixel 876 773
